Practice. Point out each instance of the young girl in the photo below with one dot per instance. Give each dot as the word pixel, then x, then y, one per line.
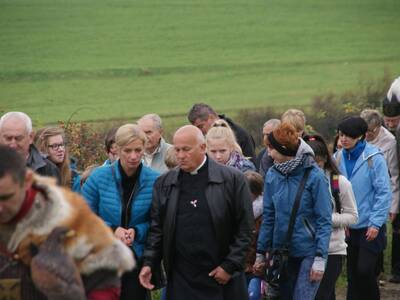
pixel 51 141
pixel 223 148
pixel 344 214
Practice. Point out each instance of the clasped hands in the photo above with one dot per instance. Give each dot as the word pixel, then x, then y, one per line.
pixel 127 236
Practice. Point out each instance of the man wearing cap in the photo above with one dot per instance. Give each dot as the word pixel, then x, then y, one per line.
pixel 391 112
pixel 364 166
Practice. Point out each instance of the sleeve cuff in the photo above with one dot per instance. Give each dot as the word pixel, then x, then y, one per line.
pixel 228 267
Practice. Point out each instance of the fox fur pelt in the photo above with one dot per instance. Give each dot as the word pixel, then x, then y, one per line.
pixel 92 246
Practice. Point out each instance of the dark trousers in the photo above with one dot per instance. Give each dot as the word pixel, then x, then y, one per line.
pixel 131 287
pixel 396 246
pixel 326 290
pixel 362 283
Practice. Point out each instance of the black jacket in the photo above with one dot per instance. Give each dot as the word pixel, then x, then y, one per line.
pixel 41 165
pixel 229 201
pixel 243 138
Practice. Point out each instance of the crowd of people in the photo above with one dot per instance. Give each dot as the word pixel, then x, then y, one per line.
pixel 203 217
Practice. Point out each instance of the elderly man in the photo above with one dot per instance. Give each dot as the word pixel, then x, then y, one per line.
pixel 16 133
pixel 207 263
pixel 203 116
pixel 156 147
pixel 391 117
pixel 51 245
pixel 264 160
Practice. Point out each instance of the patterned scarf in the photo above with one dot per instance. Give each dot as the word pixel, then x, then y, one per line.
pixel 288 166
pixel 236 160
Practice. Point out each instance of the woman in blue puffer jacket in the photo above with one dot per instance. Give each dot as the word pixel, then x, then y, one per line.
pixel 121 195
pixel 308 248
pixel 365 167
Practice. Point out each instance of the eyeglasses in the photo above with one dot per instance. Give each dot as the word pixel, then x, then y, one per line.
pixel 372 130
pixel 56 146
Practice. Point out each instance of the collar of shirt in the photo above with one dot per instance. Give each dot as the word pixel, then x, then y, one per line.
pixel 194 172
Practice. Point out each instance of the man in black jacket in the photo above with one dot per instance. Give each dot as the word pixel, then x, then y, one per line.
pixel 16 132
pixel 201 225
pixel 203 116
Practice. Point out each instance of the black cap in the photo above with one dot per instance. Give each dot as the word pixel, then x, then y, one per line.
pixel 353 127
pixel 391 107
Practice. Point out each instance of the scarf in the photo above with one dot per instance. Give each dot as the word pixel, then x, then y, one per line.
pixel 288 166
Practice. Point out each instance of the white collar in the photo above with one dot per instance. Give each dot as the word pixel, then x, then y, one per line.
pixel 194 172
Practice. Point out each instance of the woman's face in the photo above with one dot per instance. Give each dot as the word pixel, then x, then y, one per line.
pixel 218 150
pixel 347 142
pixel 56 149
pixel 131 155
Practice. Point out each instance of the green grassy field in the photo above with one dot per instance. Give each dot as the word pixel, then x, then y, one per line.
pixel 120 59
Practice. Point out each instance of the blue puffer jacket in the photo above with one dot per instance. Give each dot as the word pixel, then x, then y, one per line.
pixel 371 186
pixel 312 228
pixel 102 194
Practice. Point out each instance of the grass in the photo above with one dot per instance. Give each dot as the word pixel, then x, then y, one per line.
pixel 103 59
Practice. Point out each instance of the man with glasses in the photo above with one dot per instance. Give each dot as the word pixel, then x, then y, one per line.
pixel 391 117
pixel 16 132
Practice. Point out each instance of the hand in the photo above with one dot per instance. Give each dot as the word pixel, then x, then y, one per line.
pixel 316 275
pixel 129 236
pixel 125 235
pixel 220 275
pixel 145 277
pixel 392 216
pixel 371 234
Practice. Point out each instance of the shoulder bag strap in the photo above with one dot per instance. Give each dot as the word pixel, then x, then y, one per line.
pixel 296 207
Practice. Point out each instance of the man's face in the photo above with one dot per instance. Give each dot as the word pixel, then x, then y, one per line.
pixel 12 195
pixel 266 131
pixel 205 125
pixel 153 134
pixel 189 151
pixel 391 123
pixel 14 135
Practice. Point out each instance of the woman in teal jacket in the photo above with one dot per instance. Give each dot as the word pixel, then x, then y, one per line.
pixel 121 195
pixel 365 167
pixel 308 248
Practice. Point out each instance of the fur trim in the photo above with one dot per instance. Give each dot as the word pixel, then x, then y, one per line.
pixel 93 246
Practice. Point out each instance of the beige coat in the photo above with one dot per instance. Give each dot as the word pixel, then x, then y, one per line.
pixel 386 142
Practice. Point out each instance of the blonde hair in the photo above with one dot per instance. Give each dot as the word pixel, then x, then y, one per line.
pixel 128 133
pixel 295 117
pixel 221 130
pixel 42 143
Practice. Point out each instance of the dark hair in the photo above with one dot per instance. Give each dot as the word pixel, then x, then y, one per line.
pixel 200 111
pixel 109 140
pixel 320 148
pixel 256 182
pixel 12 163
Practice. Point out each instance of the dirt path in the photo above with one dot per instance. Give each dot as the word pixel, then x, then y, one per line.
pixel 389 291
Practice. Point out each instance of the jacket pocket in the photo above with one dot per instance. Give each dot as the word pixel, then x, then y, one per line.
pixel 309 228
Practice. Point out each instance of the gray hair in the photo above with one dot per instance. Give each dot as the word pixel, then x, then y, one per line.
pixel 20 116
pixel 155 118
pixel 372 117
pixel 273 123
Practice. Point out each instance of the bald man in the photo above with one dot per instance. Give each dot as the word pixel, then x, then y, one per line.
pixel 201 225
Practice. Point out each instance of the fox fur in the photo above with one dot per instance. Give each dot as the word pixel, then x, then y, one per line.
pixel 92 246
